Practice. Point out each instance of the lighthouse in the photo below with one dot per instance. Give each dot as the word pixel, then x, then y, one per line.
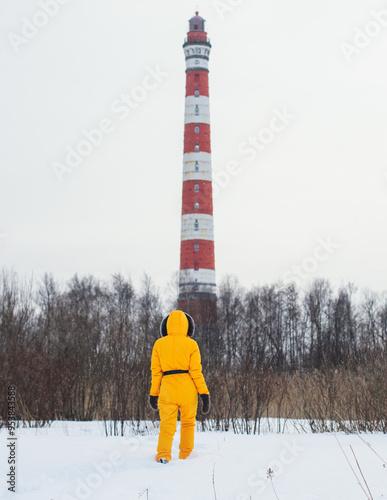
pixel 197 287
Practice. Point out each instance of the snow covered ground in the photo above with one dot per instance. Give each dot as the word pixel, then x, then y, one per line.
pixel 73 460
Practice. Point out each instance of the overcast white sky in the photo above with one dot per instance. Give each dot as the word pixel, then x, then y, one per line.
pixel 322 178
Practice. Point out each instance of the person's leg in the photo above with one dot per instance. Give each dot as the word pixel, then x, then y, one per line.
pixel 187 420
pixel 168 419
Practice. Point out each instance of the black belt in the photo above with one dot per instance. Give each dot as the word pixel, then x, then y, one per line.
pixel 173 372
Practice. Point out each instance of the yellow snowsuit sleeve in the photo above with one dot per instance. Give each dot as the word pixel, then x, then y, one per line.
pixel 157 372
pixel 195 370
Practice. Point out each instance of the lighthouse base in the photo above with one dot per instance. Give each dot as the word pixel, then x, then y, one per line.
pixel 201 306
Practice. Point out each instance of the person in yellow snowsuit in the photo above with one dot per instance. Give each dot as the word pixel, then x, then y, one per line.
pixel 176 381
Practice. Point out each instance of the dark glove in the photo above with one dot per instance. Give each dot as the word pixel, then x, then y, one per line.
pixel 153 402
pixel 206 403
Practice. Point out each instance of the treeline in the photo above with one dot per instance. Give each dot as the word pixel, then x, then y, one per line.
pixel 81 351
pixel 318 355
pixel 289 330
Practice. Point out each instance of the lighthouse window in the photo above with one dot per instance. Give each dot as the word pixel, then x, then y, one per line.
pixel 196 188
pixel 196 92
pixel 196 26
pixel 197 147
pixel 196 205
pixel 196 61
pixel 196 110
pixel 196 225
pixel 196 246
pixel 196 166
pixel 196 266
pixel 196 129
pixel 198 51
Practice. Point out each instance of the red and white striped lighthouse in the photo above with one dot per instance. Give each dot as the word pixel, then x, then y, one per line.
pixel 197 288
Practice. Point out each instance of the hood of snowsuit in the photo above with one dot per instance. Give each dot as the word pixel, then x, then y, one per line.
pixel 177 323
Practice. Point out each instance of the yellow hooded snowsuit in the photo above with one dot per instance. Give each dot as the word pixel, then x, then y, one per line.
pixel 177 351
